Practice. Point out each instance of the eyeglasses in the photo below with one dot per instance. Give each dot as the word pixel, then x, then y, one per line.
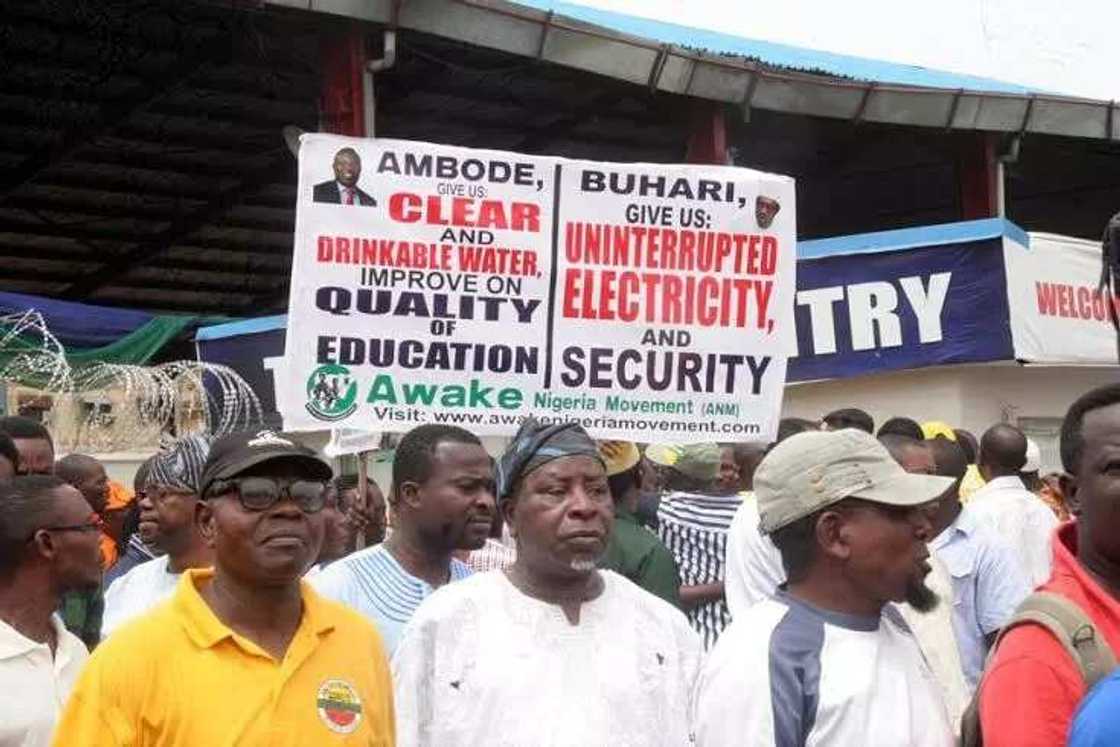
pixel 92 524
pixel 262 493
pixel 161 492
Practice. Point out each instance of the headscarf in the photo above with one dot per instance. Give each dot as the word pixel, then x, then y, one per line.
pixel 536 444
pixel 181 465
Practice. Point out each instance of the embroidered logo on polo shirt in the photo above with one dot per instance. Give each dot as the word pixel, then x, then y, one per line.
pixel 339 706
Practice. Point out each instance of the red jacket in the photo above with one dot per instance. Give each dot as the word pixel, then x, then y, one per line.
pixel 1031 687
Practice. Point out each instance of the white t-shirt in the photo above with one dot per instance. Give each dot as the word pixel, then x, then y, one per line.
pixel 34 685
pixel 481 663
pixel 1021 519
pixel 754 565
pixel 788 674
pixel 136 592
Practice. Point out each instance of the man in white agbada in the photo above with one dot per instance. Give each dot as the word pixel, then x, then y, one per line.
pixel 550 652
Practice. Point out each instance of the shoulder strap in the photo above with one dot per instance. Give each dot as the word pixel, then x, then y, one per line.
pixel 1067 622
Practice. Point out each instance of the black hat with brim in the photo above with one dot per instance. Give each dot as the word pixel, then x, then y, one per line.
pixel 233 454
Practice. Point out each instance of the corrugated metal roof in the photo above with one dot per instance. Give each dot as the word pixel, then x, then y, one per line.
pixel 752 74
pixel 778 55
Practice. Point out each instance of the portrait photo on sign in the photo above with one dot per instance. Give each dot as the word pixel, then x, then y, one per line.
pixel 343 189
pixel 766 210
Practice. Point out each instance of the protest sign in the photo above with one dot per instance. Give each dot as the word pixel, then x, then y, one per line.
pixel 434 284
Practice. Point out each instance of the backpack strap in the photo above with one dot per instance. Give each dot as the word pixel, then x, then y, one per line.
pixel 1069 624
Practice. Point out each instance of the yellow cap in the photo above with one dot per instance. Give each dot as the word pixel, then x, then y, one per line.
pixel 664 455
pixel 933 428
pixel 619 456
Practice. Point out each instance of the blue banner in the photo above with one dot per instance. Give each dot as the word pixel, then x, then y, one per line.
pixel 250 355
pixel 886 311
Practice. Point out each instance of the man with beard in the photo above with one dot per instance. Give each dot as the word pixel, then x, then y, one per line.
pixel 343 189
pixel 170 500
pixel 766 210
pixel 245 652
pixel 443 501
pixel 839 663
pixel 551 651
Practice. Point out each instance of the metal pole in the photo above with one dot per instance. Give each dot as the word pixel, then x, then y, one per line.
pixel 363 501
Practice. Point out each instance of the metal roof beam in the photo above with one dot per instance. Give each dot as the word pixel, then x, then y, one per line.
pixel 179 230
pixel 112 115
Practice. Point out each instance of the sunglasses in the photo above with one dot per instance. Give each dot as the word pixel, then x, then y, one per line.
pixel 92 524
pixel 262 493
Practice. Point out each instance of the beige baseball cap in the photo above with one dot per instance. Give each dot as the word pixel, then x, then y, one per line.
pixel 816 469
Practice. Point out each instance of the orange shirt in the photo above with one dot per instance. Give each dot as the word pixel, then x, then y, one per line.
pixel 109 552
pixel 119 499
pixel 1031 687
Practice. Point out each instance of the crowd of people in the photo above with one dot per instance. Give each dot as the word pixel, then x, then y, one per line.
pixel 912 585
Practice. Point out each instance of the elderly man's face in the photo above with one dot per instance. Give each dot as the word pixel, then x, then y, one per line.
pixel 167 517
pixel 562 516
pixel 347 169
pixel 272 547
pixel 765 210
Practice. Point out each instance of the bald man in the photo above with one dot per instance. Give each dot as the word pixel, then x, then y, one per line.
pixel 1005 506
pixel 88 475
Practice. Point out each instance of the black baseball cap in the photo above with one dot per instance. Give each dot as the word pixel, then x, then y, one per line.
pixel 233 454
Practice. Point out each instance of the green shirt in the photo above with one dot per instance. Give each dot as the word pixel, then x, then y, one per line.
pixel 81 614
pixel 637 553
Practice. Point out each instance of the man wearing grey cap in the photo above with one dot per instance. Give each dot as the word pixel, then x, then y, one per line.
pixel 550 651
pixel 829 660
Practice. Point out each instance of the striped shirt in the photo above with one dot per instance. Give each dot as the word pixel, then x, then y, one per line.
pixel 492 556
pixel 694 528
pixel 372 582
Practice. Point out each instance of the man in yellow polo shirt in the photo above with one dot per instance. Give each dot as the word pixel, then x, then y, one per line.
pixel 244 653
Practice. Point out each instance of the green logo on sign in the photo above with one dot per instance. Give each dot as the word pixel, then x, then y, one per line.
pixel 331 393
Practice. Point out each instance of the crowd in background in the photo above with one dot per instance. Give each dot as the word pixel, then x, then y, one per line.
pixel 911 585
